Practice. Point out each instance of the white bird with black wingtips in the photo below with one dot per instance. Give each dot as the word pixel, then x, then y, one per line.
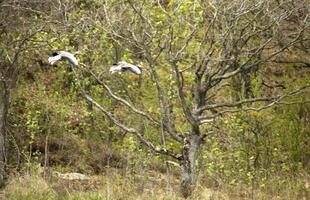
pixel 123 66
pixel 63 55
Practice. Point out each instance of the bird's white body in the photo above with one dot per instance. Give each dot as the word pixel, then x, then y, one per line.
pixel 115 69
pixel 63 55
pixel 124 66
pixel 54 59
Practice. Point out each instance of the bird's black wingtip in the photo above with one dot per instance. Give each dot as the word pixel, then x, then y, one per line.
pixel 55 53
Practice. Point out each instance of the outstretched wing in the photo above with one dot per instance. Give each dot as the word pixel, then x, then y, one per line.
pixel 54 59
pixel 126 66
pixel 68 56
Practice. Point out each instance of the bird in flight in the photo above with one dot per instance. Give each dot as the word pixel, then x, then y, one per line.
pixel 123 66
pixel 63 55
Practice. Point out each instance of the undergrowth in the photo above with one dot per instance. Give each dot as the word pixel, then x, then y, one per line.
pixel 116 184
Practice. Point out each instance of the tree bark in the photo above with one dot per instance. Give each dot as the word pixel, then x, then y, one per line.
pixel 188 171
pixel 4 93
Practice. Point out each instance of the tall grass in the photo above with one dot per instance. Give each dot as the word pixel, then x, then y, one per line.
pixel 117 185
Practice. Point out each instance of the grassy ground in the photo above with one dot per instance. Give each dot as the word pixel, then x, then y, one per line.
pixel 151 185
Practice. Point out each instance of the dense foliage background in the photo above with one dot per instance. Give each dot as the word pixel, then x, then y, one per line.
pixel 50 128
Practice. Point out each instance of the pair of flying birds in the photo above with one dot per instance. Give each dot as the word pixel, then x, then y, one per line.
pixel 121 66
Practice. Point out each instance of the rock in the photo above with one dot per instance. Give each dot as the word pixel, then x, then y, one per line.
pixel 71 176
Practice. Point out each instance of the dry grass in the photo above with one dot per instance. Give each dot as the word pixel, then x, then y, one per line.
pixel 28 187
pixel 115 184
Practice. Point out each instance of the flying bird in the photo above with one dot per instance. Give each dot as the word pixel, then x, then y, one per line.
pixel 123 66
pixel 63 55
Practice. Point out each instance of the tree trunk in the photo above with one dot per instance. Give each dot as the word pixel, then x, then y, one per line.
pixel 188 171
pixel 247 91
pixel 3 115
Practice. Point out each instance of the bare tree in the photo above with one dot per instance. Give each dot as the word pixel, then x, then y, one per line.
pixel 19 24
pixel 8 75
pixel 201 46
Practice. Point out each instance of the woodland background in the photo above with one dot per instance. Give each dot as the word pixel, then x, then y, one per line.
pixel 225 80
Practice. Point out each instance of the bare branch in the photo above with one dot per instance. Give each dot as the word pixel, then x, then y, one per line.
pixel 275 101
pixel 140 14
pixel 134 109
pixel 238 103
pixel 246 67
pixel 149 144
pixel 184 105
pixel 123 101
